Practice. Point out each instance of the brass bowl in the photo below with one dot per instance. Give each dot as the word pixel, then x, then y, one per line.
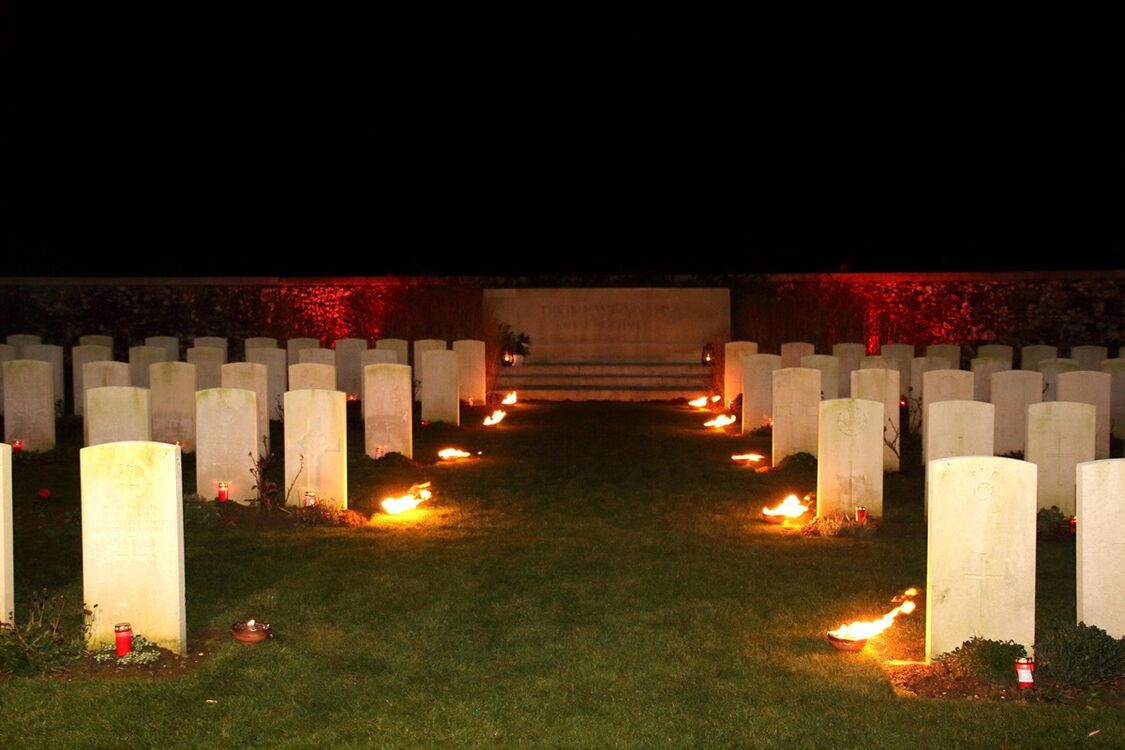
pixel 846 644
pixel 778 519
pixel 256 633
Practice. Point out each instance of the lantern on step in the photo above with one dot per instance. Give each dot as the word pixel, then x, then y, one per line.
pixel 708 354
pixel 507 358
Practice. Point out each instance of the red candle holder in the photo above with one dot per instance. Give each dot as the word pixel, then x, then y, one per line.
pixel 310 498
pixel 224 491
pixel 1025 673
pixel 123 637
pixel 180 444
pixel 1073 524
pixel 353 397
pixel 17 446
pixel 860 514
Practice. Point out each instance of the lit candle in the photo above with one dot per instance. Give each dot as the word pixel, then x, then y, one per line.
pixel 353 397
pixel 310 498
pixel 180 444
pixel 17 446
pixel 1025 669
pixel 123 638
pixel 1073 524
pixel 860 514
pixel 224 491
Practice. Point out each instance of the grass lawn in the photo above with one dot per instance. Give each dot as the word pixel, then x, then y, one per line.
pixel 598 578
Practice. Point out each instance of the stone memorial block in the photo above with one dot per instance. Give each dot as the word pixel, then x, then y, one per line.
pixel 1032 354
pixel 21 340
pixel 316 446
pixel 29 404
pixel 944 385
pixel 983 369
pixel 349 378
pixel 140 357
pixel 7 354
pixel 1012 392
pixel 379 357
pixel 259 342
pixel 420 347
pixel 54 355
pixel 796 410
pixel 980 558
pixel 7 559
pixel 1101 544
pixel 294 347
pixel 133 542
pixel 252 377
pixel 1087 387
pixel 915 398
pixel 116 414
pixel 757 390
pixel 1060 435
pixel 226 442
pixel 441 401
pixel 387 403
pixel 997 351
pixel 792 351
pixel 317 357
pixel 208 361
pixel 1051 369
pixel 829 368
pixel 312 376
pixel 881 384
pixel 1089 356
pixel 733 352
pixel 401 348
pixel 958 428
pixel 277 376
pixel 97 339
pixel 850 356
pixel 878 362
pixel 849 471
pixel 903 355
pixel 1116 369
pixel 172 398
pixel 79 356
pixel 471 381
pixel 218 342
pixel 949 352
pixel 170 345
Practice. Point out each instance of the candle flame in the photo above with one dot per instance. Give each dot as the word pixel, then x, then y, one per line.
pixel 862 630
pixel 495 417
pixel 250 623
pixel 448 454
pixel 699 403
pixel 790 507
pixel 510 399
pixel 715 399
pixel 751 457
pixel 403 503
pixel 720 421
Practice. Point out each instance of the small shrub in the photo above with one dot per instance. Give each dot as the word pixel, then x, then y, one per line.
pixel 353 519
pixel 200 513
pixel 144 652
pixel 1080 655
pixel 44 643
pixel 839 525
pixel 798 462
pixel 1050 523
pixel 980 658
pixel 326 514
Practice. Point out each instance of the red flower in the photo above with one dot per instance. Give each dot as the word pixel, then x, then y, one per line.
pixel 44 492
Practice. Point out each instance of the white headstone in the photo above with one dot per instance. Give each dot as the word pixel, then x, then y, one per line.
pixel 1086 387
pixel 102 373
pixel 7 560
pixel 349 378
pixel 97 339
pixel 133 542
pixel 218 342
pixel 401 348
pixel 849 471
pixel 1012 392
pixel 1101 545
pixel 951 353
pixel 471 379
pixel 294 347
pixel 733 352
pixel 140 357
pixel 258 342
pixel 303 377
pixel 792 351
pixel 20 340
pixel 944 385
pixel 208 361
pixel 850 356
pixel 983 368
pixel 79 356
pixel 252 377
pixel 52 354
pixel 1116 369
pixel 226 442
pixel 7 354
pixel 903 355
pixel 1051 369
pixel 277 376
pixel 117 414
pixel 829 368
pixel 378 357
pixel 1032 354
pixel 958 428
pixel 757 390
pixel 170 345
pixel 1089 356
pixel 29 404
pixel 1060 435
pixel 422 346
pixel 878 362
pixel 881 384
pixel 915 396
pixel 316 446
pixel 980 556
pixel 317 357
pixel 172 396
pixel 441 399
pixel 796 410
pixel 387 403
pixel 1002 352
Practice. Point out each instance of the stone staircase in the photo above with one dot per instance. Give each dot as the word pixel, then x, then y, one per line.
pixel 605 381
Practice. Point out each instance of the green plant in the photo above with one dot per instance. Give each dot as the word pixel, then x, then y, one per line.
pixel 199 512
pixel 266 488
pixel 514 343
pixel 1050 523
pixel 327 514
pixel 839 525
pixel 45 642
pixel 1080 655
pixel 983 659
pixel 144 652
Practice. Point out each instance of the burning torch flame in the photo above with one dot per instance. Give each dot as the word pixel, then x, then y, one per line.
pixel 448 454
pixel 751 457
pixel 699 403
pixel 720 421
pixel 790 507
pixel 510 399
pixel 861 631
pixel 417 494
pixel 495 417
pixel 715 399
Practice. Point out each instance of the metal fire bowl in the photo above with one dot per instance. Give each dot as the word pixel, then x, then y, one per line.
pixel 246 634
pixel 846 644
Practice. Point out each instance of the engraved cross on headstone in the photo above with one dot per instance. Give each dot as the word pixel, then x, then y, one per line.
pixel 317 444
pixel 855 486
pixel 982 579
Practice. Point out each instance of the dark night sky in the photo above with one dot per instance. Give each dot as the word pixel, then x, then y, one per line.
pixel 206 148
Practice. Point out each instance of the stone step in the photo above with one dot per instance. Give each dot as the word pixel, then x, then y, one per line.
pixel 599 393
pixel 568 380
pixel 693 369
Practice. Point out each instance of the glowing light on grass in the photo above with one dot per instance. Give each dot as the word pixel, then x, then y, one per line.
pixel 720 421
pixel 752 458
pixel 510 399
pixel 495 418
pixel 789 508
pixel 862 630
pixel 449 454
pixel 416 494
